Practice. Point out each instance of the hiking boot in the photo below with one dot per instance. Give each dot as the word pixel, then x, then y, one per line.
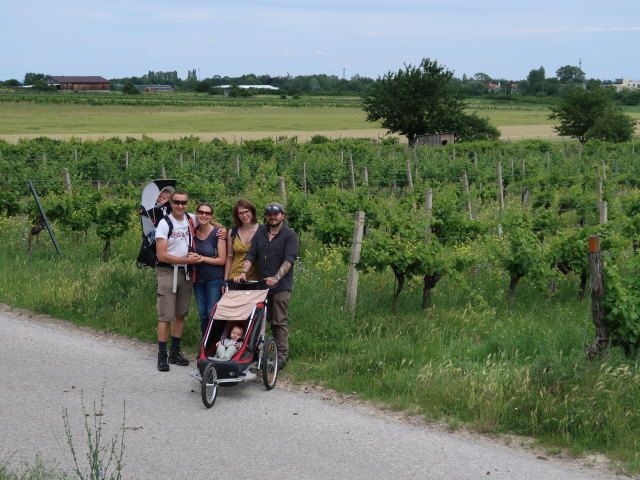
pixel 163 365
pixel 281 365
pixel 175 356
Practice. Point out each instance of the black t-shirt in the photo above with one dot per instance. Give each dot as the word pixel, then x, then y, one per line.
pixel 270 255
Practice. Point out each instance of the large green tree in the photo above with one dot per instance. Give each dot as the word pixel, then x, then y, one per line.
pixel 588 114
pixel 416 100
pixel 570 74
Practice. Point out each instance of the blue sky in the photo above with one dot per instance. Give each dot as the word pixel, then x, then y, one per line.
pixel 503 39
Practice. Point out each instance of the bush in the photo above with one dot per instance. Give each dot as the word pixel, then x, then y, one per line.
pixel 130 89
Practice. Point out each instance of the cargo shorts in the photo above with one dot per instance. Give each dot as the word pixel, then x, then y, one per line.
pixel 169 304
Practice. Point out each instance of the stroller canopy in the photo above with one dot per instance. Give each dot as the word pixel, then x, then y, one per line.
pixel 238 304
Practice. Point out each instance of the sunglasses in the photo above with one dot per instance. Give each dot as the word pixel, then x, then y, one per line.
pixel 179 202
pixel 202 212
pixel 273 208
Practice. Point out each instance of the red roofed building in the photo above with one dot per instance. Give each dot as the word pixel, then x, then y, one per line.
pixel 78 83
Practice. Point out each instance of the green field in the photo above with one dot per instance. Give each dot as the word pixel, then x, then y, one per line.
pixel 110 114
pixel 29 119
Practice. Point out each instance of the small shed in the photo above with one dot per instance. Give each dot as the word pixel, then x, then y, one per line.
pixel 434 139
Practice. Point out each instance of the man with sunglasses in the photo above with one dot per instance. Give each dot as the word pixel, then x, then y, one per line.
pixel 174 249
pixel 275 249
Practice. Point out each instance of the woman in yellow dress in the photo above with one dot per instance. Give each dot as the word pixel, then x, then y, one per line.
pixel 239 241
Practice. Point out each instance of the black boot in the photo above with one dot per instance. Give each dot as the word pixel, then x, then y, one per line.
pixel 163 365
pixel 175 356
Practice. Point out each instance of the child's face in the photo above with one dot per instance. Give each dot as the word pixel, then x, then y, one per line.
pixel 236 333
pixel 163 197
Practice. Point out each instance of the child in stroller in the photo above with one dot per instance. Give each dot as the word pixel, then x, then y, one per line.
pixel 227 347
pixel 243 309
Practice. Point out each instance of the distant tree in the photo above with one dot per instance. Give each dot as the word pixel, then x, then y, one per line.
pixel 631 97
pixel 612 125
pixel 570 74
pixel 482 77
pixel 42 86
pixel 535 81
pixel 593 83
pixel 31 78
pixel 130 89
pixel 12 82
pixel 587 114
pixel 416 100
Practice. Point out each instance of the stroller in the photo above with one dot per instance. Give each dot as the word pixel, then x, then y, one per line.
pixel 244 305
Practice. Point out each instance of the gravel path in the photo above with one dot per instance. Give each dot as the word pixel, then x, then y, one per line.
pixel 291 432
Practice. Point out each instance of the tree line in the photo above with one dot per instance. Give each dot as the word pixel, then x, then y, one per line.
pixel 535 85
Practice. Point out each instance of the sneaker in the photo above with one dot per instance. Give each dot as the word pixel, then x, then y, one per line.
pixel 196 374
pixel 163 365
pixel 248 375
pixel 175 356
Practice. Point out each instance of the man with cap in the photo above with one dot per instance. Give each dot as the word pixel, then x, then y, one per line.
pixel 275 248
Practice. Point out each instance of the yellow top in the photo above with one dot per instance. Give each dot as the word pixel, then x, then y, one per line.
pixel 239 252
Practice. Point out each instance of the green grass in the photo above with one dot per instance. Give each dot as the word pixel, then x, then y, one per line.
pixel 23 118
pixel 33 118
pixel 475 357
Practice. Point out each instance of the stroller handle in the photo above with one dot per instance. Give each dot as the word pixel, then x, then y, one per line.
pixel 244 284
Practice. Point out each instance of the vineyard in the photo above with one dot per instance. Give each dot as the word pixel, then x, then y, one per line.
pixel 461 244
pixel 525 208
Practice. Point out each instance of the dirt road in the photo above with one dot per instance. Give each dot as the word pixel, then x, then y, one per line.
pixel 292 432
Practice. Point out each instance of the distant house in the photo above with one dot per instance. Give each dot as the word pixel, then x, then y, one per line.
pixel 434 139
pixel 78 83
pixel 498 87
pixel 622 84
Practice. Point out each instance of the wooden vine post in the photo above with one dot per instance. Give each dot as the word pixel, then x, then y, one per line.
pixel 465 189
pixel 601 341
pixel 500 185
pixel 67 180
pixel 356 247
pixel 283 189
pixel 428 208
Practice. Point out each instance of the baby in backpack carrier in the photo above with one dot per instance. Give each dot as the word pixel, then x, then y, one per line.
pixel 227 347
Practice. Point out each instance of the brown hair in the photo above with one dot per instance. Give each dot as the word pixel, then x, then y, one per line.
pixel 205 204
pixel 243 203
pixel 179 192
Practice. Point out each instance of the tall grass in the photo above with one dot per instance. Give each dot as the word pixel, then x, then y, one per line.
pixel 475 357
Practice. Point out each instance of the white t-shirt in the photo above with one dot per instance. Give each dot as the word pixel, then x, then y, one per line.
pixel 178 244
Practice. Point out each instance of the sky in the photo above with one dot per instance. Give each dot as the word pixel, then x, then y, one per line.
pixel 504 39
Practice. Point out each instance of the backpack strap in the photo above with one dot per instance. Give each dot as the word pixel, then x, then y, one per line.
pixel 234 233
pixel 167 219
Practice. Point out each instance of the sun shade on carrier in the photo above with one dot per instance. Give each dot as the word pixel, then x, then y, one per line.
pixel 238 304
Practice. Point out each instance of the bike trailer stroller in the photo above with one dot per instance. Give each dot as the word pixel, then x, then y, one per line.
pixel 246 306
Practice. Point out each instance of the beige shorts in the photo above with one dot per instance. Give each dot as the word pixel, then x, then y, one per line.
pixel 171 305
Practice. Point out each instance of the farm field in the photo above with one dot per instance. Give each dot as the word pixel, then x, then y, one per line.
pixel 63 121
pixel 231 123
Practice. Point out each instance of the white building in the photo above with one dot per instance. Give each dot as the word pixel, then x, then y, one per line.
pixel 623 84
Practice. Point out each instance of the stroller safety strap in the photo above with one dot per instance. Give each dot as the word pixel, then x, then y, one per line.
pixel 176 267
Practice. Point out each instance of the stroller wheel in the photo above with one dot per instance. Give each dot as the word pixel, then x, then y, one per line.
pixel 209 386
pixel 269 363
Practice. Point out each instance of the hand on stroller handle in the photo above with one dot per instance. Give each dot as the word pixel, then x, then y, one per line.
pixel 231 284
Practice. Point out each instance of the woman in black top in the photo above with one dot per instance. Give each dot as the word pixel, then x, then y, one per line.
pixel 210 273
